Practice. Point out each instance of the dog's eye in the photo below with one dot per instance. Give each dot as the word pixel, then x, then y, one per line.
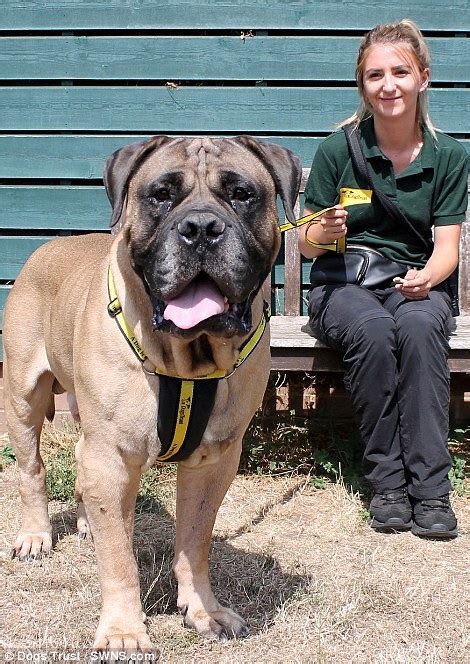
pixel 161 195
pixel 240 194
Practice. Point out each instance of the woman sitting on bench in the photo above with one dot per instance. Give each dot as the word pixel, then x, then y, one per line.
pixel 393 335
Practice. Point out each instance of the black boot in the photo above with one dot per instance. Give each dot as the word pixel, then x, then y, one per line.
pixel 434 517
pixel 390 511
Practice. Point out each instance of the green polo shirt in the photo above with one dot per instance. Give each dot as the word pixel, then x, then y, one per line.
pixel 432 191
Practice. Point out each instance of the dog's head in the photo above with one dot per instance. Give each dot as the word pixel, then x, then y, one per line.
pixel 201 223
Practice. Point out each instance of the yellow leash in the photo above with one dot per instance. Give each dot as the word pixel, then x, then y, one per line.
pixel 348 196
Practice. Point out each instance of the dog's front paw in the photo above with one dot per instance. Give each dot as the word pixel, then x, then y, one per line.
pixel 221 623
pixel 32 545
pixel 119 635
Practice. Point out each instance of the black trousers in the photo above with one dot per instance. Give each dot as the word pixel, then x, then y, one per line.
pixel 395 354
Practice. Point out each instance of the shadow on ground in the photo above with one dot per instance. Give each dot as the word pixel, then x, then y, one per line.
pixel 253 584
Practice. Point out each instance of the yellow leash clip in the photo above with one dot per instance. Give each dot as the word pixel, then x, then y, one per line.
pixel 347 196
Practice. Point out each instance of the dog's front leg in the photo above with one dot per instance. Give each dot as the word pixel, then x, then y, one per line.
pixel 109 485
pixel 200 491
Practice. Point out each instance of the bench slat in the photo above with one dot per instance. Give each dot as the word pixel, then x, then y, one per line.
pixel 212 58
pixel 325 359
pixel 160 109
pixel 14 252
pixel 4 290
pixel 67 156
pixel 55 208
pixel 285 332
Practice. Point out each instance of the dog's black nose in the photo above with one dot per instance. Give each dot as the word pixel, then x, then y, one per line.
pixel 201 227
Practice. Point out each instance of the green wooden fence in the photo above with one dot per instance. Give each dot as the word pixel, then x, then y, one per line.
pixel 81 78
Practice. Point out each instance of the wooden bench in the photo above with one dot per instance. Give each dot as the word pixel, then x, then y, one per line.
pixel 293 350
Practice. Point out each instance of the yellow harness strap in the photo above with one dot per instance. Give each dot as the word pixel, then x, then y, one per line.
pixel 182 420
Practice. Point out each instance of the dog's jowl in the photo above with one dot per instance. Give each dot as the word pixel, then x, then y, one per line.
pixel 158 333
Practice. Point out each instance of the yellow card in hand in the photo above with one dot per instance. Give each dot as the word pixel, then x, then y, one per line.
pixel 349 196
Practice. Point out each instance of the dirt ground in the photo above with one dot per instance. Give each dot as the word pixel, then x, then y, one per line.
pixel 314 582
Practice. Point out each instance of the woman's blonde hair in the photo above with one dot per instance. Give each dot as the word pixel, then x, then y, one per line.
pixel 401 32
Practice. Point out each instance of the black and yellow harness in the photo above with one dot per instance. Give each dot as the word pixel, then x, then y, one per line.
pixel 184 405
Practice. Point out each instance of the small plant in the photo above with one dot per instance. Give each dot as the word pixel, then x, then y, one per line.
pixel 459 440
pixel 7 456
pixel 457 474
pixel 324 448
pixel 319 482
pixel 61 475
pixel 274 445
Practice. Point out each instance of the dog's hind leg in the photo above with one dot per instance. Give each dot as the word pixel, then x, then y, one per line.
pixel 27 399
pixel 200 491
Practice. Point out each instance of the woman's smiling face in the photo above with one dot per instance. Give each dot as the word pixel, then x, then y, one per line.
pixel 392 81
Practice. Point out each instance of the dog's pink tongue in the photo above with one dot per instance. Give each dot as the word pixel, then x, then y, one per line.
pixel 197 302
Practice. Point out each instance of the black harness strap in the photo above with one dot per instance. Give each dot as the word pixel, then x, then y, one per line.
pixel 171 409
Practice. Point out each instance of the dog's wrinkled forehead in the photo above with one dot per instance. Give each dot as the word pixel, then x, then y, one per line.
pixel 198 149
pixel 202 159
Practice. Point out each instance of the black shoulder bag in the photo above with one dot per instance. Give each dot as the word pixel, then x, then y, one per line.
pixel 451 284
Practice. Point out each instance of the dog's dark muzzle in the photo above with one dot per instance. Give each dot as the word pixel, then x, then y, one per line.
pixel 203 275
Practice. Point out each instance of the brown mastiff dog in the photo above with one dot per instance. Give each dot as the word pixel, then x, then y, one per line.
pixel 175 292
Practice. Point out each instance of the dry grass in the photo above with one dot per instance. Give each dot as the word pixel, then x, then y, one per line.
pixel 302 566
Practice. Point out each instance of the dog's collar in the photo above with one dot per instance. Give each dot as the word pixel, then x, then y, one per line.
pixel 245 350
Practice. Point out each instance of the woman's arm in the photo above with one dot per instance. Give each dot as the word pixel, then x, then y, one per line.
pixel 321 192
pixel 440 265
pixel 331 226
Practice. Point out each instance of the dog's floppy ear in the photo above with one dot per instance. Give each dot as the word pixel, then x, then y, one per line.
pixel 283 166
pixel 118 170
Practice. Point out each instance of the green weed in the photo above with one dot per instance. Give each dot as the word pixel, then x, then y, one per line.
pixel 459 444
pixel 457 474
pixel 61 475
pixel 325 449
pixel 7 456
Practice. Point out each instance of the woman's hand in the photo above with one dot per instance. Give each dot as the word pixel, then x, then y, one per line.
pixel 417 284
pixel 440 265
pixel 330 227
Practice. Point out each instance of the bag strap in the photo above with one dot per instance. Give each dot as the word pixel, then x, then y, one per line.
pixel 390 208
